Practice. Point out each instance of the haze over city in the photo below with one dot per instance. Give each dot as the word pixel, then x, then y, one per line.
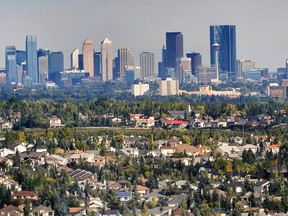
pixel 141 26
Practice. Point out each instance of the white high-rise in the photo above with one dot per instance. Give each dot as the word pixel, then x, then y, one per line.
pixel 75 59
pixel 88 56
pixel 169 87
pixel 107 60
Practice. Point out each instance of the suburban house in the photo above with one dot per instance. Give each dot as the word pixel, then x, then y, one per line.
pixel 261 187
pixel 11 211
pixel 55 122
pixel 167 150
pixel 188 149
pixel 43 211
pixel 124 196
pixel 142 190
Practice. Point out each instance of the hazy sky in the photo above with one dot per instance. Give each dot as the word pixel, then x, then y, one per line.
pixel 140 25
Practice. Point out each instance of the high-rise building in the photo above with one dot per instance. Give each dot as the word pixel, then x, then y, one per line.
pixel 43 65
pixel 147 65
pixel 115 68
pixel 20 56
pixel 225 36
pixel 74 59
pixel 107 60
pixel 124 59
pixel 97 64
pixel 183 69
pixel 132 73
pixel 31 52
pixel 206 74
pixel 80 62
pixel 43 69
pixel 174 48
pixel 169 87
pixel 162 65
pixel 244 65
pixel 11 66
pixel 55 66
pixel 88 57
pixel 196 60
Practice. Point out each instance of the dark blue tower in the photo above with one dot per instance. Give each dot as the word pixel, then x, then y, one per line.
pixel 174 48
pixel 225 36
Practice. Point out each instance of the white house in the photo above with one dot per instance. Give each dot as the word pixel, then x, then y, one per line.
pixel 248 147
pixel 55 122
pixel 4 152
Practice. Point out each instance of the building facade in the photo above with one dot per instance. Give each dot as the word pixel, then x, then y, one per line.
pixel 206 74
pixel 107 60
pixel 11 65
pixel 183 69
pixel 31 52
pixel 55 66
pixel 132 73
pixel 244 65
pixel 225 36
pixel 139 89
pixel 97 64
pixel 168 87
pixel 124 59
pixel 196 60
pixel 74 59
pixel 88 56
pixel 147 65
pixel 174 48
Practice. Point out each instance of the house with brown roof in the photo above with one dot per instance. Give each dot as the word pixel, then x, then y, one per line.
pixel 274 148
pixel 188 149
pixel 11 211
pixel 21 196
pixel 182 212
pixel 142 190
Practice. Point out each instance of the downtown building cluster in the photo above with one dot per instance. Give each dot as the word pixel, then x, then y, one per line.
pixel 34 67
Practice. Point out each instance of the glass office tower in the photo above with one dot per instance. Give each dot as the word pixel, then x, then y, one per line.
pixel 31 52
pixel 225 36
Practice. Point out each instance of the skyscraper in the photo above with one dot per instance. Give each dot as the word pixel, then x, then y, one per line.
pixel 244 65
pixel 183 69
pixel 20 56
pixel 31 52
pixel 74 59
pixel 174 48
pixel 88 56
pixel 11 66
pixel 43 65
pixel 55 66
pixel 162 64
pixel 225 36
pixel 80 62
pixel 107 60
pixel 147 65
pixel 97 64
pixel 115 68
pixel 124 59
pixel 196 60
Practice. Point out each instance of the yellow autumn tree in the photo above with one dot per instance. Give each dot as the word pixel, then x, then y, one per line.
pixel 22 137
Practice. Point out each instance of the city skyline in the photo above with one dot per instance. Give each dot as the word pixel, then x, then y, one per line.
pixel 254 41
